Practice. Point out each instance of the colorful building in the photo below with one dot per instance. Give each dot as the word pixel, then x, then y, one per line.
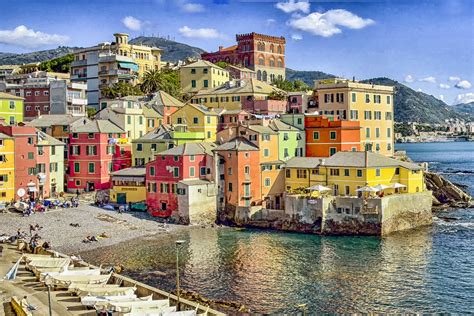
pixel 345 172
pixel 198 119
pixel 291 140
pixel 299 101
pixel 250 95
pixel 165 104
pixel 263 54
pixel 51 162
pixel 7 168
pixel 232 118
pixel 237 72
pixel 94 149
pixel 371 105
pixel 293 119
pixel 202 75
pixel 128 185
pixel 11 108
pixel 191 161
pixel 325 137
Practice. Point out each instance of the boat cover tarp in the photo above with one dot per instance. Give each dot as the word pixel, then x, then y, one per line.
pixel 73 287
pixel 30 257
pixel 48 263
pixel 108 291
pixel 99 301
pixel 66 280
pixel 153 312
pixel 134 306
pixel 181 313
pixel 71 271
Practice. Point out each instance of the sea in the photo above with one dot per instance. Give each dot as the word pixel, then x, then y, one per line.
pixel 428 270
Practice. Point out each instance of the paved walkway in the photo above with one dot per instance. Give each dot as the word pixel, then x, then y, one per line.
pixel 25 284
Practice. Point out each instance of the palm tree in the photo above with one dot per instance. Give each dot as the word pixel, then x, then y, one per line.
pixel 152 81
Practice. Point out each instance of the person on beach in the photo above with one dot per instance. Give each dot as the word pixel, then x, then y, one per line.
pixel 24 304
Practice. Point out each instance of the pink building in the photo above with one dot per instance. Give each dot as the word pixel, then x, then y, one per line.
pixel 265 107
pixel 230 118
pixel 95 150
pixel 190 161
pixel 299 102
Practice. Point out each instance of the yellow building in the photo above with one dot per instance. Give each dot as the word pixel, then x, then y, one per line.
pixel 7 168
pixel 235 94
pixel 345 172
pixel 128 185
pixel 372 105
pixel 202 75
pixel 11 108
pixel 147 58
pixel 196 118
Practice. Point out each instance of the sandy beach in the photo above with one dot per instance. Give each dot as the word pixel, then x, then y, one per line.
pixel 92 222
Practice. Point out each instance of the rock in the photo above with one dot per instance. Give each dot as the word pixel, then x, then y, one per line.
pixel 445 192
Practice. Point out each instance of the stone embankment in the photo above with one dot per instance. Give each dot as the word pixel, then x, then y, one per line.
pixel 445 193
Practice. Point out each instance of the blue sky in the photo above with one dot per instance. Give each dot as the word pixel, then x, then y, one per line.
pixel 428 45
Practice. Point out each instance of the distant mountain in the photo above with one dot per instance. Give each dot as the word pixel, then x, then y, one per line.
pixel 172 51
pixel 464 108
pixel 33 57
pixel 307 77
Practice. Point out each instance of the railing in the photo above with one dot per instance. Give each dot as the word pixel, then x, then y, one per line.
pixel 366 210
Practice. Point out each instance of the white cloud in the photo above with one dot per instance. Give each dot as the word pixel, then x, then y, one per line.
pixel 454 78
pixel 444 86
pixel 28 38
pixel 463 84
pixel 193 7
pixel 204 33
pixel 132 23
pixel 293 6
pixel 296 37
pixel 419 90
pixel 328 23
pixel 464 98
pixel 441 97
pixel 270 21
pixel 409 79
pixel 429 79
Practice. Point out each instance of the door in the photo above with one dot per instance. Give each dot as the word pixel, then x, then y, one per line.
pixel 121 198
pixel 163 206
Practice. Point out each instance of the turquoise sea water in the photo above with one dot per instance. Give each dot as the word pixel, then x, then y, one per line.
pixel 424 271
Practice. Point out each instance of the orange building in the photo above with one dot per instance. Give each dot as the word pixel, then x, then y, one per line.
pixel 325 137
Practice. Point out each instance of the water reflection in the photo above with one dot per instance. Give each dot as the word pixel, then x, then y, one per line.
pixel 272 272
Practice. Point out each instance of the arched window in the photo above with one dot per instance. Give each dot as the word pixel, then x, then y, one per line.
pixel 261 46
pixel 272 48
pixel 280 63
pixel 264 76
pixel 272 62
pixel 259 75
pixel 246 61
pixel 272 77
pixel 279 50
pixel 227 60
pixel 261 61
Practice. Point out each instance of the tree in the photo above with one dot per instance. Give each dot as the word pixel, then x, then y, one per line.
pixel 222 64
pixel 164 80
pixel 60 64
pixel 300 85
pixel 91 111
pixel 120 89
pixel 283 85
pixel 277 95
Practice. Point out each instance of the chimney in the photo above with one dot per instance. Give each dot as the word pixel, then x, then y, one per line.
pixel 221 48
pixel 366 158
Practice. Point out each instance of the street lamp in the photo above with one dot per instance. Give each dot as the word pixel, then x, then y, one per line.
pixel 303 308
pixel 178 243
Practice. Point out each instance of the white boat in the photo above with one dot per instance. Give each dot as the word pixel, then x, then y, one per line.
pixel 128 307
pixel 70 271
pixel 107 291
pixel 90 300
pixel 64 281
pixel 50 262
pixel 75 288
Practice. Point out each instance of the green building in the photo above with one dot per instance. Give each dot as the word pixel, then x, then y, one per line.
pixel 11 108
pixel 291 140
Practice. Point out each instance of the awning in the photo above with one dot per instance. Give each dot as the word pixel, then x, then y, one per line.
pixel 128 65
pixel 32 189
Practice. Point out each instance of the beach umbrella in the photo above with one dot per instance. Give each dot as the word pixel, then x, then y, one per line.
pixel 397 185
pixel 319 188
pixel 381 187
pixel 367 189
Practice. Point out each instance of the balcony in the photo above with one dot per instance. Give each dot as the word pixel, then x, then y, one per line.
pixel 79 63
pixel 79 77
pixel 76 101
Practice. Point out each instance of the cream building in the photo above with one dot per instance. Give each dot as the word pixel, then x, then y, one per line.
pixel 371 105
pixel 202 75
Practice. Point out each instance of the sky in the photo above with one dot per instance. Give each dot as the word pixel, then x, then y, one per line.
pixel 425 44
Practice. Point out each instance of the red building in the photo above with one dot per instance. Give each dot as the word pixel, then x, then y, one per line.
pixel 190 161
pixel 95 150
pixel 325 137
pixel 263 54
pixel 36 98
pixel 31 161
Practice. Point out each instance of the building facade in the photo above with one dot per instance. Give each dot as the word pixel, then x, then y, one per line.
pixel 7 168
pixel 263 54
pixel 11 108
pixel 202 75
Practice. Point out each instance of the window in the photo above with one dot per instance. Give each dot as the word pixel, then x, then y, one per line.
pixel 12 120
pixel 388 116
pixel 285 152
pixel 91 150
pixel 202 171
pixel 288 173
pixel 206 84
pixel 12 105
pixel 333 135
pixel 28 93
pixel 316 135
pixel 31 155
pixel 191 171
pixel 176 158
pixel 28 108
pixel 359 173
pixel 301 174
pixel 377 99
pixel 3 178
pixel 77 167
pixel 151 123
pixel 176 172
pixel 334 172
pixel 129 119
pixel 208 119
pixel 230 187
pixel 266 152
pixel 266 137
pixel 152 171
pixel 332 151
pixel 377 147
pixel 397 171
pixel 40 150
pixel 340 97
pixel 91 167
pixel 193 83
pixel 110 167
pixel 377 172
pixel 367 115
pixel 193 70
pixel 195 120
pixel 347 190
pixel 367 132
pixel 179 120
pixel 110 150
pixel 53 150
pixel 346 172
pixel 37 93
pixel 354 97
pixel 389 132
pixel 354 114
pixel 74 135
pixel 229 171
pixel 31 171
pixel 367 98
pixel 205 71
pixel 377 132
pixel 285 136
pixel 267 182
pixel 45 93
pixel 209 134
pixel 139 147
pixel 388 99
pixel 78 183
pixel 247 169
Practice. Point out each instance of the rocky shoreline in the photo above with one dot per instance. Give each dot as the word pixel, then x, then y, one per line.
pixel 446 194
